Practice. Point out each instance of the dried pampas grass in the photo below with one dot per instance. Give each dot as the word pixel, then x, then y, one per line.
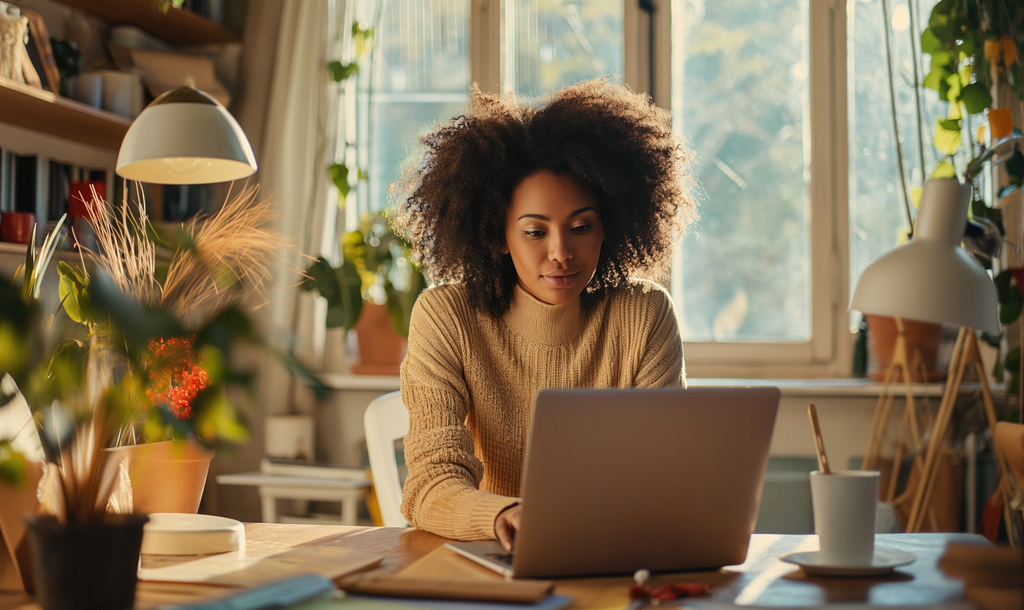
pixel 221 260
pixel 230 260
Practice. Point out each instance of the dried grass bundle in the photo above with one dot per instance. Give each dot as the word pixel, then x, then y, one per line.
pixel 230 260
pixel 125 251
pixel 221 260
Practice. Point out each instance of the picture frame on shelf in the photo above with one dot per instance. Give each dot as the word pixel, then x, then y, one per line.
pixel 40 52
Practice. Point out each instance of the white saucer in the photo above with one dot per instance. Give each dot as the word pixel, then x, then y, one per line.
pixel 884 561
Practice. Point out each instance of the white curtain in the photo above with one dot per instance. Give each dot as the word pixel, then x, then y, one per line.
pixel 285 109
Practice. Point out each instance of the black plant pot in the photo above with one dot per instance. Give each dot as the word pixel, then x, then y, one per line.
pixel 85 566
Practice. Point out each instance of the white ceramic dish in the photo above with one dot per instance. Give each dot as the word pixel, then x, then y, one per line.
pixel 883 562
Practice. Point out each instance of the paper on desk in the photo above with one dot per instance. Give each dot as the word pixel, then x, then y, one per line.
pixel 712 605
pixel 358 602
pixel 248 568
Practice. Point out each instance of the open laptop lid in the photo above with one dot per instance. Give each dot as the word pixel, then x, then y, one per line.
pixel 661 479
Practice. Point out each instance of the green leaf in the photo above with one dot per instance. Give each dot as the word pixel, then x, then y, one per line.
pixel 1014 166
pixel 936 76
pixel 13 466
pixel 953 86
pixel 340 71
pixel 217 420
pixel 1010 309
pixel 362 36
pixel 342 287
pixel 30 266
pixel 1003 287
pixel 339 176
pixel 138 324
pixel 976 98
pixel 968 44
pixel 74 292
pixel 947 136
pixel 965 74
pixel 930 43
pixel 944 169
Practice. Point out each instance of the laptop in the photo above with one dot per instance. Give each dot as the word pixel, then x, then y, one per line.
pixel 618 480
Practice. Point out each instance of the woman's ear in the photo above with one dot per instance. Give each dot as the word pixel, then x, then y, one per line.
pixel 504 247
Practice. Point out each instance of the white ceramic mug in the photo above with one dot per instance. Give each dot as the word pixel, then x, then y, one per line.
pixel 87 88
pixel 844 515
pixel 122 93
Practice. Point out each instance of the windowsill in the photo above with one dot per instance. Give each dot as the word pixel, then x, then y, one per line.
pixel 789 387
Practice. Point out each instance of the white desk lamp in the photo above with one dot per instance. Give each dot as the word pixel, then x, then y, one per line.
pixel 931 279
pixel 185 137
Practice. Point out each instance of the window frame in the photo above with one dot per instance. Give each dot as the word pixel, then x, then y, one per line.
pixel 828 353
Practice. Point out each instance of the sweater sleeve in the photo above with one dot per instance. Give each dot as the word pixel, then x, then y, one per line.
pixel 441 492
pixel 661 364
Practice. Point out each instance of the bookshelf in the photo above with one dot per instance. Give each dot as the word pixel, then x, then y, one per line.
pixel 48 141
pixel 40 110
pixel 176 26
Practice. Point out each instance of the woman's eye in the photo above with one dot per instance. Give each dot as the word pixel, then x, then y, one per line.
pixel 581 228
pixel 533 233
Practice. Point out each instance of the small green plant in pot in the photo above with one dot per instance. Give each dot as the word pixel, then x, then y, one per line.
pixel 372 291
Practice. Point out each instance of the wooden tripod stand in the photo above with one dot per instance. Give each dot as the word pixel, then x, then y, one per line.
pixel 907 362
pixel 965 354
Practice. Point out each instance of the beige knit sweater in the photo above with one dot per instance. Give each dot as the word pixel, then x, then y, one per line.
pixel 469 382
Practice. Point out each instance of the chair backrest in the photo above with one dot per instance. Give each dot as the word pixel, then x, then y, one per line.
pixel 385 421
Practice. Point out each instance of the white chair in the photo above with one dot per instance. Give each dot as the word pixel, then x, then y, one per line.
pixel 385 421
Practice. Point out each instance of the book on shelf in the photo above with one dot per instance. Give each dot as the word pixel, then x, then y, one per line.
pixel 26 168
pixel 312 470
pixel 6 180
pixel 59 189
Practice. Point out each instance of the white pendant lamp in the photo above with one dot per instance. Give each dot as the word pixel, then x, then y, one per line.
pixel 185 137
pixel 932 279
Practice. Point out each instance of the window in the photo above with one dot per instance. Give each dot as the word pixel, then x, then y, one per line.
pixel 744 274
pixel 877 214
pixel 419 75
pixel 794 204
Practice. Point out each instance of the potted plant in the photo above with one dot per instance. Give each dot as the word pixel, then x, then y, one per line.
pixel 977 68
pixel 372 291
pixel 974 62
pixel 142 355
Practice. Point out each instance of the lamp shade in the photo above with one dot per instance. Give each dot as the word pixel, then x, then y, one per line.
pixel 185 137
pixel 931 278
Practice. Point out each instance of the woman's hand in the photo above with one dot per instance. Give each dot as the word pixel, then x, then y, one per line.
pixel 506 526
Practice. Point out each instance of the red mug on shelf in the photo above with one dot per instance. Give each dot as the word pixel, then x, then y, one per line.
pixel 16 227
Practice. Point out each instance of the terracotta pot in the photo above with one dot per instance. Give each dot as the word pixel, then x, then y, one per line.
pixel 923 336
pixel 381 348
pixel 167 477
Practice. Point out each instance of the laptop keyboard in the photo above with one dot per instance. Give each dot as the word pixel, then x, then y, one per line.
pixel 500 557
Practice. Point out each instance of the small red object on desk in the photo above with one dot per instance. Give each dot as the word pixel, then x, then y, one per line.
pixel 640 592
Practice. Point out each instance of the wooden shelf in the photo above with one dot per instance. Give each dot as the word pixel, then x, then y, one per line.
pixel 39 110
pixel 175 26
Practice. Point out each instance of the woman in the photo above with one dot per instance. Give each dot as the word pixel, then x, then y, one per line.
pixel 541 228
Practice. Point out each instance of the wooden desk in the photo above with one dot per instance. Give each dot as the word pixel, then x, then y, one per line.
pixel 763 580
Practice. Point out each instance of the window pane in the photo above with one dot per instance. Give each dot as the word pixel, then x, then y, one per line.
pixel 420 75
pixel 877 215
pixel 547 44
pixel 742 104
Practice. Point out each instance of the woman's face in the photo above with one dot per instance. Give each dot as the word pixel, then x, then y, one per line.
pixel 553 233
